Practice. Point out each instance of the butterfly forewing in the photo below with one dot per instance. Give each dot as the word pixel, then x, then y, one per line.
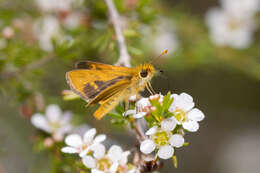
pixel 99 66
pixel 90 84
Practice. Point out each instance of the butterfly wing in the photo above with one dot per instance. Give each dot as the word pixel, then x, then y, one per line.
pixel 105 87
pixel 99 66
pixel 90 83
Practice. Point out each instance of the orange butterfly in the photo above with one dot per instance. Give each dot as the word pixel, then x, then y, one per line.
pixel 107 85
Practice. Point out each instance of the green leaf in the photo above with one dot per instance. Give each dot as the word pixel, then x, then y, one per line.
pixel 115 115
pixel 167 101
pixel 119 109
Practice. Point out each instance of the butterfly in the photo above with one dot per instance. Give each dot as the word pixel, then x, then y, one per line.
pixel 107 85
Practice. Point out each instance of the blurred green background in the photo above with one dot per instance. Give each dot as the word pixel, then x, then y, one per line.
pixel 223 81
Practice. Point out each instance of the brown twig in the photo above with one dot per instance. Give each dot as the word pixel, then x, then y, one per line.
pixel 124 58
pixel 139 131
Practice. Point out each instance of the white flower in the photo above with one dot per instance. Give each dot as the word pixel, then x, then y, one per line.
pixel 77 144
pixel 184 113
pixel 112 162
pixel 162 139
pixel 228 29
pixel 55 122
pixel 142 108
pixel 57 5
pixel 46 29
pixel 143 104
pixel 241 8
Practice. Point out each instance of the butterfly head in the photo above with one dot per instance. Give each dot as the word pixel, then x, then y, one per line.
pixel 146 72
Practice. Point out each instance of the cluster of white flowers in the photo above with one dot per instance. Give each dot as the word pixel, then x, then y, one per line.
pixel 94 155
pixel 54 122
pixel 168 133
pixel 56 15
pixel 58 5
pixel 88 146
pixel 234 23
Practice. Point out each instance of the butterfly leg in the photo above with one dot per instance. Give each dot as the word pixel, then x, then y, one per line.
pixel 126 104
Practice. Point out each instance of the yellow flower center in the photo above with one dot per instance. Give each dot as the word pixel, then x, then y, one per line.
pixel 234 23
pixel 104 164
pixel 84 146
pixel 55 125
pixel 161 138
pixel 180 116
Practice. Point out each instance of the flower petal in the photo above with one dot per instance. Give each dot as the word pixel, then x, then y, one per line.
pixel 196 115
pixel 124 158
pixel 40 121
pixel 66 118
pixel 187 101
pixel 84 152
pixel 139 115
pixel 147 146
pixel 89 162
pixel 142 103
pixel 183 101
pixel 100 138
pixel 165 152
pixel 115 153
pixel 74 140
pixel 177 140
pixel 191 126
pixel 66 128
pixel 99 150
pixel 53 113
pixel 113 168
pixel 96 171
pixel 129 112
pixel 89 135
pixel 168 124
pixel 69 150
pixel 152 130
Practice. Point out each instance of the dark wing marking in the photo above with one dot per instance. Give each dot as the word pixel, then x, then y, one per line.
pixel 107 88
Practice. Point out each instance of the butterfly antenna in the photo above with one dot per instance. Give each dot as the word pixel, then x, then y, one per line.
pixel 165 51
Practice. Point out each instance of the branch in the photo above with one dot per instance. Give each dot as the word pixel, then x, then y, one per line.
pixel 139 131
pixel 124 58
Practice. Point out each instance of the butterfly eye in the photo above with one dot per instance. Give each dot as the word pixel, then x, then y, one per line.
pixel 143 74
